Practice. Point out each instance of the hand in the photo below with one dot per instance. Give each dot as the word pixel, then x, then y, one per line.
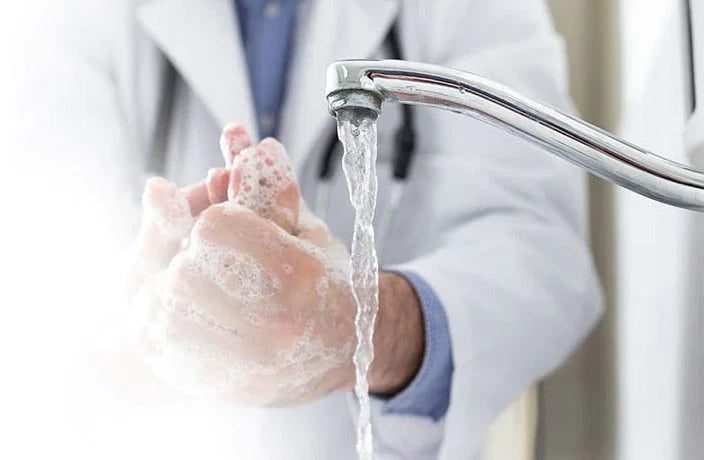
pixel 256 306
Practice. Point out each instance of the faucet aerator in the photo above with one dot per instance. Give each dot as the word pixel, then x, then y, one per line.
pixel 348 99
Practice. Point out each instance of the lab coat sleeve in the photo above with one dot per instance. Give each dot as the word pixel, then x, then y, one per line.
pixel 502 231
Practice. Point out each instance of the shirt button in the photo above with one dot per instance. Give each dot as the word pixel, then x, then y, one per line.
pixel 266 122
pixel 272 9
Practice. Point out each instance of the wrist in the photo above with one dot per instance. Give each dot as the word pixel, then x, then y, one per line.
pixel 399 336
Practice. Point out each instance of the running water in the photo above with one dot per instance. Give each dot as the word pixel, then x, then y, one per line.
pixel 357 131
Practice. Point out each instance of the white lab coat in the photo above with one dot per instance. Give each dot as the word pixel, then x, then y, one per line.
pixel 493 224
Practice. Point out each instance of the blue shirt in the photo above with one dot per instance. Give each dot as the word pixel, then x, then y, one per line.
pixel 267 29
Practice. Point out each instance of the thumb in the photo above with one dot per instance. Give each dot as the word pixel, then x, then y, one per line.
pixel 262 179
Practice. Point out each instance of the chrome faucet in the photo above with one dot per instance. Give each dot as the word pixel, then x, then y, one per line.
pixel 354 85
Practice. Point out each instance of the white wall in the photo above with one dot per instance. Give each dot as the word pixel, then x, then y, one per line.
pixel 620 396
pixel 579 413
pixel 651 237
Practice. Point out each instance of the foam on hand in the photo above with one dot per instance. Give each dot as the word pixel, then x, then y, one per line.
pixel 233 140
pixel 250 308
pixel 263 180
pixel 166 207
pixel 208 360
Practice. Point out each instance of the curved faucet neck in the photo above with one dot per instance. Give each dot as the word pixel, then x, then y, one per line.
pixel 368 84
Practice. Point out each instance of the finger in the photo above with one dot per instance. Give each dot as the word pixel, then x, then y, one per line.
pixel 233 140
pixel 166 221
pixel 211 191
pixel 186 360
pixel 212 293
pixel 216 183
pixel 263 180
pixel 200 362
pixel 240 289
pixel 257 368
pixel 262 261
pixel 311 228
pixel 198 197
pixel 223 313
pixel 182 345
pixel 240 230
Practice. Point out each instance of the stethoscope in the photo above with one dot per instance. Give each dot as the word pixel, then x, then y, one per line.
pixel 403 151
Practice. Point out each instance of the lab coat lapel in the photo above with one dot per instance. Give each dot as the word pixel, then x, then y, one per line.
pixel 200 38
pixel 329 31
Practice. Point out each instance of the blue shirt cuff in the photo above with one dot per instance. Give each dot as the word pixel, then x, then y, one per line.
pixel 428 394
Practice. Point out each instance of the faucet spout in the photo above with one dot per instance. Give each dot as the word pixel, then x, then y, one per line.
pixel 368 84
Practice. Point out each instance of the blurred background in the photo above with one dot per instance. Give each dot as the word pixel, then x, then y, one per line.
pixel 633 391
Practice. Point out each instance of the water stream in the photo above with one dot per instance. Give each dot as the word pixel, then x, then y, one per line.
pixel 357 131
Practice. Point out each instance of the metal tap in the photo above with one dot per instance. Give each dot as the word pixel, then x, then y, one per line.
pixel 367 84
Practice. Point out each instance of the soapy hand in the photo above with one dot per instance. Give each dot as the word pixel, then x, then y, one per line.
pixel 238 289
